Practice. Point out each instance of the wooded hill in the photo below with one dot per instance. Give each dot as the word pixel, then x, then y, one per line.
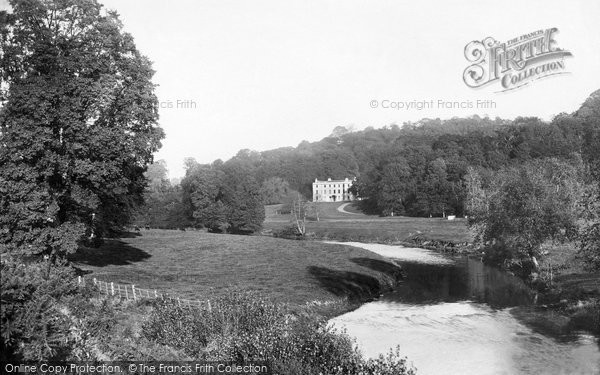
pixel 417 169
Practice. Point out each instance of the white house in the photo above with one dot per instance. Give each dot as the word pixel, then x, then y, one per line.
pixel 332 190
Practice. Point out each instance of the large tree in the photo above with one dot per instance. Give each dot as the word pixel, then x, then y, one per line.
pixel 78 124
pixel 163 201
pixel 519 208
pixel 224 197
pixel 203 191
pixel 588 118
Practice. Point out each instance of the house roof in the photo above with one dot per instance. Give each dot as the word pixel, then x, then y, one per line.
pixel 332 181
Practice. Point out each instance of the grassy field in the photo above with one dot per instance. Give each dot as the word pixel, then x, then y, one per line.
pixel 351 225
pixel 561 266
pixel 195 264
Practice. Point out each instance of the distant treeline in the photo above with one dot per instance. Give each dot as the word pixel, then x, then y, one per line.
pixel 417 169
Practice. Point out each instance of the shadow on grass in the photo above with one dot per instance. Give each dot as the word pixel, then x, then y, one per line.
pixel 382 266
pixel 353 285
pixel 112 252
pixel 365 206
pixel 129 234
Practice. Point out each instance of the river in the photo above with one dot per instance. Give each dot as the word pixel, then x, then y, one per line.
pixel 453 315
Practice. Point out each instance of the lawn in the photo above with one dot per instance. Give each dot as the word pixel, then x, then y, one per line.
pixel 195 264
pixel 355 226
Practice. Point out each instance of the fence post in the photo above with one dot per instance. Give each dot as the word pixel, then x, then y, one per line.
pixel 209 307
pixel 133 289
pixel 126 293
pixel 112 288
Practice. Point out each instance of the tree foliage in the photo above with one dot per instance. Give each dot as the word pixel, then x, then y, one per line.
pixel 519 208
pixel 589 246
pixel 224 197
pixel 163 201
pixel 275 190
pixel 78 126
pixel 587 126
pixel 36 324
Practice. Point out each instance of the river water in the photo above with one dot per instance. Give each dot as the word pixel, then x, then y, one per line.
pixel 457 316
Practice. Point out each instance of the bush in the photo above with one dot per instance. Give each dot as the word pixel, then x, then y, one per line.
pixel 45 314
pixel 507 257
pixel 289 232
pixel 586 317
pixel 246 327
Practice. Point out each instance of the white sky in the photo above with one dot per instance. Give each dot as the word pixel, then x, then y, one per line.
pixel 268 74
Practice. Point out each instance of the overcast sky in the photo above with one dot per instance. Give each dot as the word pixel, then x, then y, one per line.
pixel 268 74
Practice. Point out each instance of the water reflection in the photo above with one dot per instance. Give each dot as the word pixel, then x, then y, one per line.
pixel 465 279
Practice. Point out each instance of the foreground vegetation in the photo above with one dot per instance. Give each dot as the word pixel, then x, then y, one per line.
pixel 51 317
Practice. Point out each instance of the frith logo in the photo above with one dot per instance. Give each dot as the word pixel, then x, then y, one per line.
pixel 514 63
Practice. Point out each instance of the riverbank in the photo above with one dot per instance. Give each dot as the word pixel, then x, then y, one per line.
pixel 575 304
pixel 482 319
pixel 570 289
pixel 566 287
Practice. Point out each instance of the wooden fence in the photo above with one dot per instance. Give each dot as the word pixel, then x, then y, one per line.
pixel 131 292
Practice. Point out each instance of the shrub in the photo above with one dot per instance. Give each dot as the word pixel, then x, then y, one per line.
pixel 586 317
pixel 289 232
pixel 44 312
pixel 247 327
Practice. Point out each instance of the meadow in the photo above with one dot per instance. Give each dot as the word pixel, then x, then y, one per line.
pixel 350 224
pixel 196 265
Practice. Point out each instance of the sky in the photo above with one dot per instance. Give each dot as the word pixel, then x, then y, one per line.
pixel 265 74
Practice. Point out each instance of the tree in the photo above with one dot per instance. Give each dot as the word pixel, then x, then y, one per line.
pixel 77 129
pixel 163 201
pixel 224 197
pixel 589 118
pixel 242 198
pixel 521 207
pixel 301 210
pixel 203 186
pixel 157 176
pixel 393 188
pixel 274 190
pixel 589 246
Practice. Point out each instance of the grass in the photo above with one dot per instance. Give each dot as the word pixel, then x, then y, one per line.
pixel 355 226
pixel 195 264
pixel 568 271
